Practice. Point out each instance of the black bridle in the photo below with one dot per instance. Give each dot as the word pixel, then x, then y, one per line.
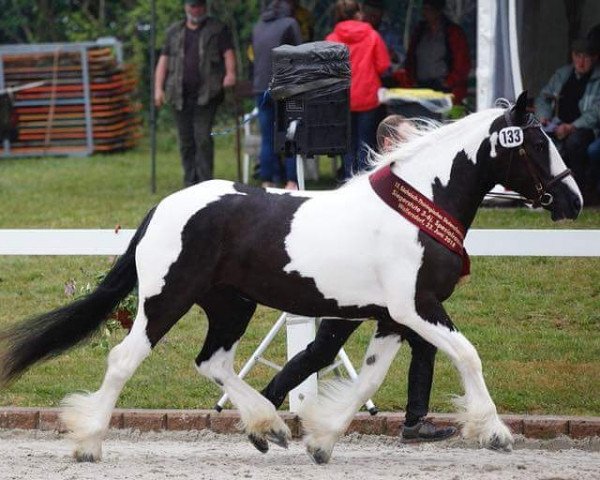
pixel 543 197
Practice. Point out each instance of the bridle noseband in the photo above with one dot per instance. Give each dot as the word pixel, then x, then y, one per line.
pixel 544 198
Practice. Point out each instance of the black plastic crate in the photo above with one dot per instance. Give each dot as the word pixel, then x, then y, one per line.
pixel 311 84
pixel 323 124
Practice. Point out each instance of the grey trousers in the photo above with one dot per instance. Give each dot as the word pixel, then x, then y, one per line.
pixel 196 146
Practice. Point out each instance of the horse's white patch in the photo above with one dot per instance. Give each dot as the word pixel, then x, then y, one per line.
pixel 327 417
pixel 219 369
pixel 355 234
pixel 480 418
pixel 219 365
pixel 293 193
pixel 87 416
pixel 257 414
pixel 493 144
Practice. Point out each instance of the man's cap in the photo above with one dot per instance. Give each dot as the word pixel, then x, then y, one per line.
pixel 195 2
pixel 582 45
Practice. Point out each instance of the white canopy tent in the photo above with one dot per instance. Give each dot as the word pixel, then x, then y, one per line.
pixel 520 43
pixel 498 68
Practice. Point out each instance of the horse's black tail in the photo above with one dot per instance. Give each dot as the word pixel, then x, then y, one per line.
pixel 52 333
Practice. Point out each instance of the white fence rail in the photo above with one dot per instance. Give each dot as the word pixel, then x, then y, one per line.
pixel 561 243
pixel 552 243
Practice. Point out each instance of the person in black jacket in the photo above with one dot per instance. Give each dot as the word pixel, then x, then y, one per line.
pixel 275 27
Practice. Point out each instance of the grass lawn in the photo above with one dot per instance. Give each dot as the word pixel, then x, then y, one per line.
pixel 535 321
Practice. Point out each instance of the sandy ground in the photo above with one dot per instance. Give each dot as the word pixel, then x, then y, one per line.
pixel 35 455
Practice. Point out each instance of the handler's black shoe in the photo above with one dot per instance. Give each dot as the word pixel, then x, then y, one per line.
pixel 425 431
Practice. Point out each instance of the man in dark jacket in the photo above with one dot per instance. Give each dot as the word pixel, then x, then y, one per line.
pixel 275 27
pixel 197 61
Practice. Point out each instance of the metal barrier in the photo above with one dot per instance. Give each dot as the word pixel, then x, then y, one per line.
pixel 78 99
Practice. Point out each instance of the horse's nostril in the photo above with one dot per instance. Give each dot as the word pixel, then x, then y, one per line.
pixel 576 204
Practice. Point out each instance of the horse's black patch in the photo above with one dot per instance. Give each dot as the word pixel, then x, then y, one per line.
pixel 233 256
pixel 468 184
pixel 371 359
pixel 441 267
pixel 218 381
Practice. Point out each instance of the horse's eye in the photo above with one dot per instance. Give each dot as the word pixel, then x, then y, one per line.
pixel 539 147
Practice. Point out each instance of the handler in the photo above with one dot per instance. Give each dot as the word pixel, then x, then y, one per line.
pixel 333 333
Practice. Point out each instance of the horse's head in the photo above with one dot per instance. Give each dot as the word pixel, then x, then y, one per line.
pixel 525 160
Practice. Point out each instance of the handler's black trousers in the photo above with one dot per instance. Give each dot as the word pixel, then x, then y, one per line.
pixel 196 147
pixel 331 336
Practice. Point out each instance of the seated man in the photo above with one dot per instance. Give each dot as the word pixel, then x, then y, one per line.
pixel 564 106
pixel 333 333
pixel 594 148
pixel 593 152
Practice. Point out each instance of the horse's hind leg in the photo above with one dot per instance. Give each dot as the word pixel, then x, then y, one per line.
pixel 87 416
pixel 228 315
pixel 327 417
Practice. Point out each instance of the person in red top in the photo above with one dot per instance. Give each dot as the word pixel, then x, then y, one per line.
pixel 368 60
pixel 438 53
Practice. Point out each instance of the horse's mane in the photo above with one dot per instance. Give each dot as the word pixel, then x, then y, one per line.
pixel 427 132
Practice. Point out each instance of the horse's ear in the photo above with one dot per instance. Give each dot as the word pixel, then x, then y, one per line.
pixel 519 111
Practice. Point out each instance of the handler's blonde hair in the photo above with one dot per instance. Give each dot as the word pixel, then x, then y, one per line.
pixel 392 131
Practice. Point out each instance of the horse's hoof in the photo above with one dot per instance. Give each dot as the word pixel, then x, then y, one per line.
pixel 279 438
pixel 499 445
pixel 318 455
pixel 85 457
pixel 260 442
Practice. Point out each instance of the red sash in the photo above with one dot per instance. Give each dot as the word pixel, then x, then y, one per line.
pixel 422 212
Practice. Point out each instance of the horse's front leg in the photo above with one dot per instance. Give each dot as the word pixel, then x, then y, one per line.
pixel 479 417
pixel 326 417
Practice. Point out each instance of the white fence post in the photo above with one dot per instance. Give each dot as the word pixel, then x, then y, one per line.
pixel 300 331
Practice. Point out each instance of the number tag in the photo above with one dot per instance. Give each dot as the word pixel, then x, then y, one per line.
pixel 510 137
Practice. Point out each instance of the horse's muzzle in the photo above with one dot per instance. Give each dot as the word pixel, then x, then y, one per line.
pixel 566 202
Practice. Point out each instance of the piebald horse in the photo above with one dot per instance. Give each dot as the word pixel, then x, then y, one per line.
pixel 343 253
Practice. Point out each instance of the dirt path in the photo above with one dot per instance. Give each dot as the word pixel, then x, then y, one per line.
pixel 35 455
